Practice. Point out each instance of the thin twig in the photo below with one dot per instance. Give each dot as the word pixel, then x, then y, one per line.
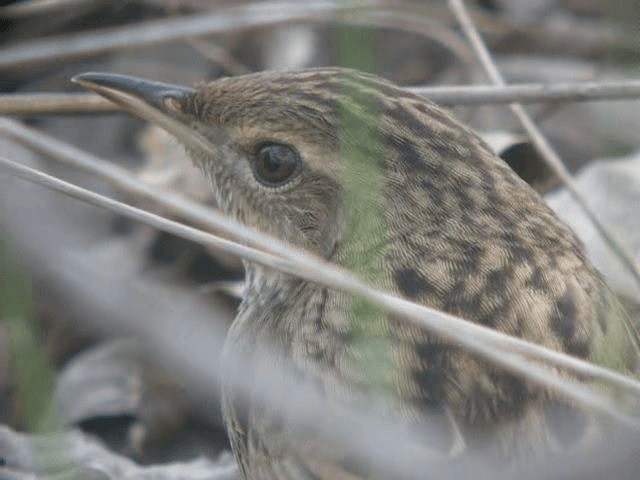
pixel 86 103
pixel 539 141
pixel 56 103
pixel 474 337
pixel 39 7
pixel 52 49
pixel 42 51
pixel 530 93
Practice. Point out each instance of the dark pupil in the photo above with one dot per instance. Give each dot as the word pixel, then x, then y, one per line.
pixel 276 164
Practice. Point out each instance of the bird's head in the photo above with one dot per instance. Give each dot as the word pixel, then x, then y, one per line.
pixel 319 156
pixel 276 141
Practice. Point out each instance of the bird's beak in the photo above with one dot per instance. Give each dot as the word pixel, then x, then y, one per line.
pixel 125 89
pixel 159 103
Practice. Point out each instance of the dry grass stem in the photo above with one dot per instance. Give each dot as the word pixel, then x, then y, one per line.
pixel 40 7
pixel 54 103
pixel 53 49
pixel 530 93
pixel 87 103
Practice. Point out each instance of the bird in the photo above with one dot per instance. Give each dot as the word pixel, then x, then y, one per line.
pixel 383 182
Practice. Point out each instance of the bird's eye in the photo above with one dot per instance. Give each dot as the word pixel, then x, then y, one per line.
pixel 276 164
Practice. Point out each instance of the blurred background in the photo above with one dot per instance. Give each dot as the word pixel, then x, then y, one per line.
pixel 81 289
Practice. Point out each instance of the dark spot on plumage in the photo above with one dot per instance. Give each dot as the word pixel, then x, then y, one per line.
pixel 536 279
pixel 445 147
pixel 563 321
pixel 539 233
pixel 518 391
pixel 428 184
pixel 419 249
pixel 465 246
pixel 518 252
pixel 430 384
pixel 511 398
pixel 432 233
pixel 490 318
pixel 433 191
pixel 508 238
pixel 410 283
pixel 504 217
pixel 402 116
pixel 499 280
pixel 465 201
pixel 471 257
pixel 467 218
pixel 406 153
pixel 460 302
pixel 499 308
pixel 579 348
pixel 470 306
pixel 431 355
